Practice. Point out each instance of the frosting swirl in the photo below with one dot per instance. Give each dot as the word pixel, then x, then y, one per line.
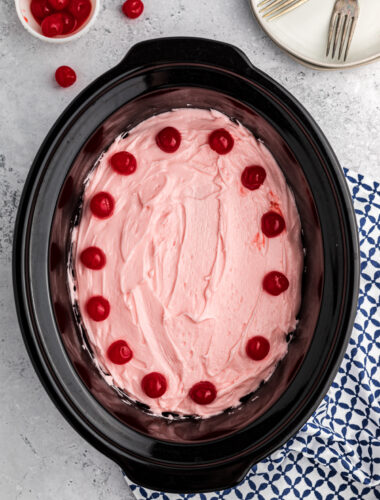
pixel 185 262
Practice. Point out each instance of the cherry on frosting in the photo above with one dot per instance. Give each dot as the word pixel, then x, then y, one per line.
pixel 65 76
pixel 59 4
pixel 41 9
pixel 52 25
pixel 154 384
pixel 272 224
pixel 69 23
pixel 133 8
pixel 257 348
pixel 102 205
pixel 203 393
pixel 119 352
pixel 168 139
pixel 93 258
pixel 98 308
pixel 275 283
pixel 80 9
pixel 253 176
pixel 221 141
pixel 123 163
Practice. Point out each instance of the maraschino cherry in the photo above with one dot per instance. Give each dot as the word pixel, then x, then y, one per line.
pixel 102 205
pixel 59 4
pixel 93 258
pixel 123 163
pixel 168 139
pixel 52 25
pixel 60 17
pixel 272 224
pixel 69 23
pixel 203 393
pixel 65 76
pixel 253 177
pixel 275 283
pixel 41 9
pixel 133 8
pixel 154 384
pixel 257 348
pixel 98 308
pixel 221 141
pixel 119 352
pixel 80 9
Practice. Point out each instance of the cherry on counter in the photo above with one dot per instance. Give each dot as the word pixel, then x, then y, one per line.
pixel 133 8
pixel 65 76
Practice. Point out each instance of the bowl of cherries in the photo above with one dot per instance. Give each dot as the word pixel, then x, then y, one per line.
pixel 57 21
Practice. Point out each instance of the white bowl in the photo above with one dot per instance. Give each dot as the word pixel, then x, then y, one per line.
pixel 30 24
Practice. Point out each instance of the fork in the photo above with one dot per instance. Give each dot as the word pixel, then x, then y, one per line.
pixel 276 8
pixel 348 12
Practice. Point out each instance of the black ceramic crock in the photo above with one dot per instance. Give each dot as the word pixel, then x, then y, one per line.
pixel 191 455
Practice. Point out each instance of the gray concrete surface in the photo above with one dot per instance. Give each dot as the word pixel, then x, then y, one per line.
pixel 41 457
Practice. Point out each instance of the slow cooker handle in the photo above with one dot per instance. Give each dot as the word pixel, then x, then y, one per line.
pixel 186 50
pixel 179 480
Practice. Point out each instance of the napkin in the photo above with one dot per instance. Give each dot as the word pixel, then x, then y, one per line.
pixel 336 454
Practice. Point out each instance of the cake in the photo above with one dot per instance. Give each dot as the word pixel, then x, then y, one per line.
pixel 188 262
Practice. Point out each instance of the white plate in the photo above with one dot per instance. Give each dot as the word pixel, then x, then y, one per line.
pixel 303 33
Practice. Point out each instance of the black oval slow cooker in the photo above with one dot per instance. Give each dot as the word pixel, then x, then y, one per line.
pixel 166 453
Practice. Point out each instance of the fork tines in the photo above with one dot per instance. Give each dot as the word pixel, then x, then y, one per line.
pixel 342 26
pixel 276 8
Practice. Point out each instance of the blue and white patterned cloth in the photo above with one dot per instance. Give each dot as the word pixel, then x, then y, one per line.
pixel 336 454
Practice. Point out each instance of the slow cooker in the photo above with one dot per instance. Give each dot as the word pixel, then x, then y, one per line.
pixel 174 454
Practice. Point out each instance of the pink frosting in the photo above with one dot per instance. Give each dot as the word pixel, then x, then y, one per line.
pixel 185 263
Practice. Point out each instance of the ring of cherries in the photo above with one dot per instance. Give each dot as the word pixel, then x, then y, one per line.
pixel 102 206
